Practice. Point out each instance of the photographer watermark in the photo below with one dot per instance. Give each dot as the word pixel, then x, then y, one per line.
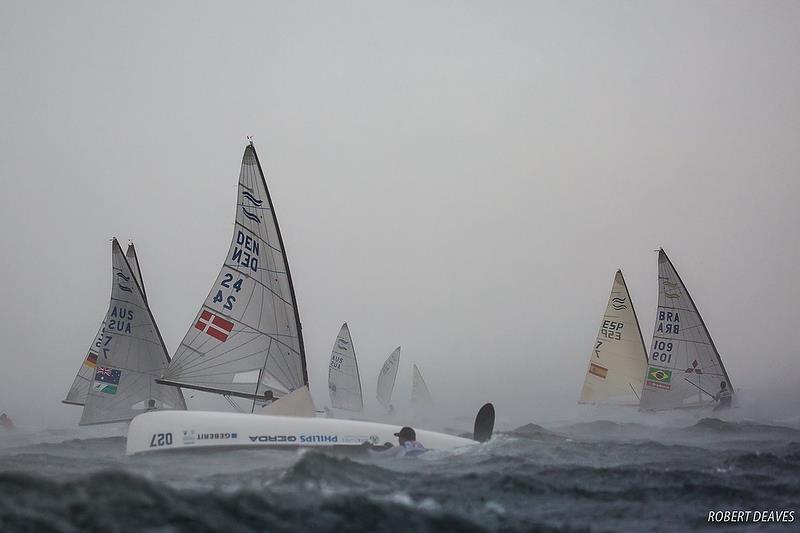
pixel 726 517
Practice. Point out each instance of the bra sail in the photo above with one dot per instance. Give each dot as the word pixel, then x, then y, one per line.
pixel 684 368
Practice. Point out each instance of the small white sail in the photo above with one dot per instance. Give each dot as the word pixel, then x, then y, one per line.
pixel 387 378
pixel 344 383
pixel 684 368
pixel 420 395
pixel 246 339
pixel 130 356
pixel 80 385
pixel 619 358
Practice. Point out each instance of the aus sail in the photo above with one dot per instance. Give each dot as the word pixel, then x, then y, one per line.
pixel 130 355
pixel 684 367
pixel 344 383
pixel 618 360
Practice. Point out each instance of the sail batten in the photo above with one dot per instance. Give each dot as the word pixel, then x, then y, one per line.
pixel 684 367
pixel 344 382
pixel 619 358
pixel 249 323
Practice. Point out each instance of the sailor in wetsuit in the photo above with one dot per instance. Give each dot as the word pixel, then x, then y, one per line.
pixel 409 445
pixel 724 397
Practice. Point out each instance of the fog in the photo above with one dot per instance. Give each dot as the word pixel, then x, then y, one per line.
pixel 459 178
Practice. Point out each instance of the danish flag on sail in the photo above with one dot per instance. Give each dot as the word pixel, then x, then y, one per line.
pixel 214 325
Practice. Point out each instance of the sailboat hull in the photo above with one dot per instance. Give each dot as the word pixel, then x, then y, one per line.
pixel 184 430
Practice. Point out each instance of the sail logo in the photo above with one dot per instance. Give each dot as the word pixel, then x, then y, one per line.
pixel 91 360
pixel 249 196
pixel 695 368
pixel 618 303
pixel 659 378
pixel 245 253
pixel 668 286
pixel 598 370
pixel 214 325
pixel 106 379
pixel 123 276
pixel 120 319
pixel 251 216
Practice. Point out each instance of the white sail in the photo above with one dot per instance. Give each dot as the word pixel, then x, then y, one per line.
pixel 344 383
pixel 684 368
pixel 420 395
pixel 133 261
pixel 619 358
pixel 387 377
pixel 80 385
pixel 246 339
pixel 130 356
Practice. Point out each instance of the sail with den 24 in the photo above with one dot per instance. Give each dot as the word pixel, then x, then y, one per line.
pixel 246 339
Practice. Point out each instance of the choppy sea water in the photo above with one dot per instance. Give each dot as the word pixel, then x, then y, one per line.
pixel 598 476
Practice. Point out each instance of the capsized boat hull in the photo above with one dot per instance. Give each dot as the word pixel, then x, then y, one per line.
pixel 183 430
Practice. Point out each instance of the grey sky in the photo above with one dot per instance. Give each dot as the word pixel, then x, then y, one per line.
pixel 460 178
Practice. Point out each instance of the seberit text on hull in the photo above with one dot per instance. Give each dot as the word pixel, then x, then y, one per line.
pixel 184 430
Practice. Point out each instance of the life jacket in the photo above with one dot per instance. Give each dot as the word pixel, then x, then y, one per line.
pixel 412 448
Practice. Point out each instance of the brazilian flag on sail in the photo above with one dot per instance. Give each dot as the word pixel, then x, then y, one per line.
pixel 659 378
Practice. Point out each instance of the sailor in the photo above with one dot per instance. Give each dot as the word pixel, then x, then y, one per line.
pixel 409 446
pixel 408 442
pixel 724 397
pixel 6 422
pixel 151 405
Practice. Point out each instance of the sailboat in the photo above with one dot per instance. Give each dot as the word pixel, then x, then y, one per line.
pixel 128 356
pixel 685 369
pixel 83 379
pixel 618 361
pixel 387 378
pixel 421 399
pixel 246 341
pixel 344 383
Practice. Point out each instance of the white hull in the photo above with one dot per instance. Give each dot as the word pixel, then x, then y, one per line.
pixel 182 430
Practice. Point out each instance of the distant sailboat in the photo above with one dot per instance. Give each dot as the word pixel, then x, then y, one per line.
pixel 246 340
pixel 344 383
pixel 685 369
pixel 619 358
pixel 129 356
pixel 80 385
pixel 420 395
pixel 387 378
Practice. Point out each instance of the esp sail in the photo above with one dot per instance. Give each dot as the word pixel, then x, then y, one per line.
pixel 80 385
pixel 246 339
pixel 619 359
pixel 684 368
pixel 387 378
pixel 420 395
pixel 344 383
pixel 130 355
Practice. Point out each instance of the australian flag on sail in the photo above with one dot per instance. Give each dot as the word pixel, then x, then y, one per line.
pixel 107 374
